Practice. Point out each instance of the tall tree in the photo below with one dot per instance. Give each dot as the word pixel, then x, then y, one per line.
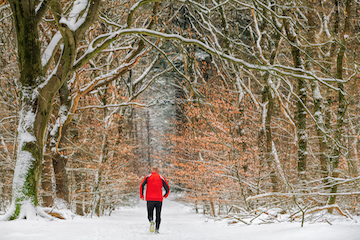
pixel 342 102
pixel 38 91
pixel 302 97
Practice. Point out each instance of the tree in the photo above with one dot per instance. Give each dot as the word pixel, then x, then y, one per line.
pixel 66 52
pixel 9 99
pixel 43 75
pixel 292 49
pixel 38 91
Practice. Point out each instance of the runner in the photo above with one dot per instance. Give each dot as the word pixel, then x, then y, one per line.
pixel 154 196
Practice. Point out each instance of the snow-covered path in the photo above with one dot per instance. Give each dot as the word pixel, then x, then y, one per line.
pixel 178 223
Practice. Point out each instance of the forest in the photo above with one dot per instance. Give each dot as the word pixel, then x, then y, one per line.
pixel 246 106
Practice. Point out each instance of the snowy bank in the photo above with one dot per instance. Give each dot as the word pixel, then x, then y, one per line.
pixel 178 222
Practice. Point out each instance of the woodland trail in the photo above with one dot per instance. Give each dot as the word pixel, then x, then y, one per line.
pixel 179 222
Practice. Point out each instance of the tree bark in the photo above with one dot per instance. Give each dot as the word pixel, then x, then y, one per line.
pixel 46 182
pixel 59 161
pixel 301 102
pixel 269 101
pixel 342 104
pixel 79 194
pixel 318 99
pixel 96 203
pixel 34 114
pixel 62 189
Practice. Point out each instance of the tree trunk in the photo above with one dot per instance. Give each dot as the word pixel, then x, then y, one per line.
pixel 96 202
pixel 268 98
pixel 148 140
pixel 318 99
pixel 97 199
pixel 46 182
pixel 301 102
pixel 352 158
pixel 212 206
pixel 269 101
pixel 342 104
pixel 62 189
pixel 79 194
pixel 34 113
pixel 320 132
pixel 59 161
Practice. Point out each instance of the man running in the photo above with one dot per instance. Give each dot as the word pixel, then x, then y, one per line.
pixel 154 196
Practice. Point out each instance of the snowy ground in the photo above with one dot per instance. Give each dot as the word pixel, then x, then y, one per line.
pixel 178 222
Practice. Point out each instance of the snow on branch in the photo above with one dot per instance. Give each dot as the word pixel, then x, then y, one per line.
pixel 147 84
pixel 51 49
pixel 38 7
pixel 327 207
pixel 265 195
pixel 94 48
pixel 290 195
pixel 41 9
pixel 146 72
pixel 103 79
pixel 74 20
pixel 104 18
pixel 173 65
pixel 135 7
pixel 278 69
pixel 116 105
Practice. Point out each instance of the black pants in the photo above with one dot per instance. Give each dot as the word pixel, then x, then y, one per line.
pixel 150 208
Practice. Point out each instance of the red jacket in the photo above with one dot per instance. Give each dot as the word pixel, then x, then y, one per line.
pixel 155 183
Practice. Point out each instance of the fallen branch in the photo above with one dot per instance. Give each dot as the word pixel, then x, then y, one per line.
pixel 57 215
pixel 289 195
pixel 318 209
pixel 239 220
pixel 286 195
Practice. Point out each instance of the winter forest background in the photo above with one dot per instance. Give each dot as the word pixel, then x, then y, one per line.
pixel 245 105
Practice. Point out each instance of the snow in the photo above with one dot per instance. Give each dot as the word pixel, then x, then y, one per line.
pixel 27 210
pixel 317 94
pixel 74 20
pixel 146 72
pixel 21 169
pixel 60 121
pixel 202 55
pixel 105 77
pixel 179 222
pixel 50 48
pixel 39 6
pixel 278 164
pixel 24 158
